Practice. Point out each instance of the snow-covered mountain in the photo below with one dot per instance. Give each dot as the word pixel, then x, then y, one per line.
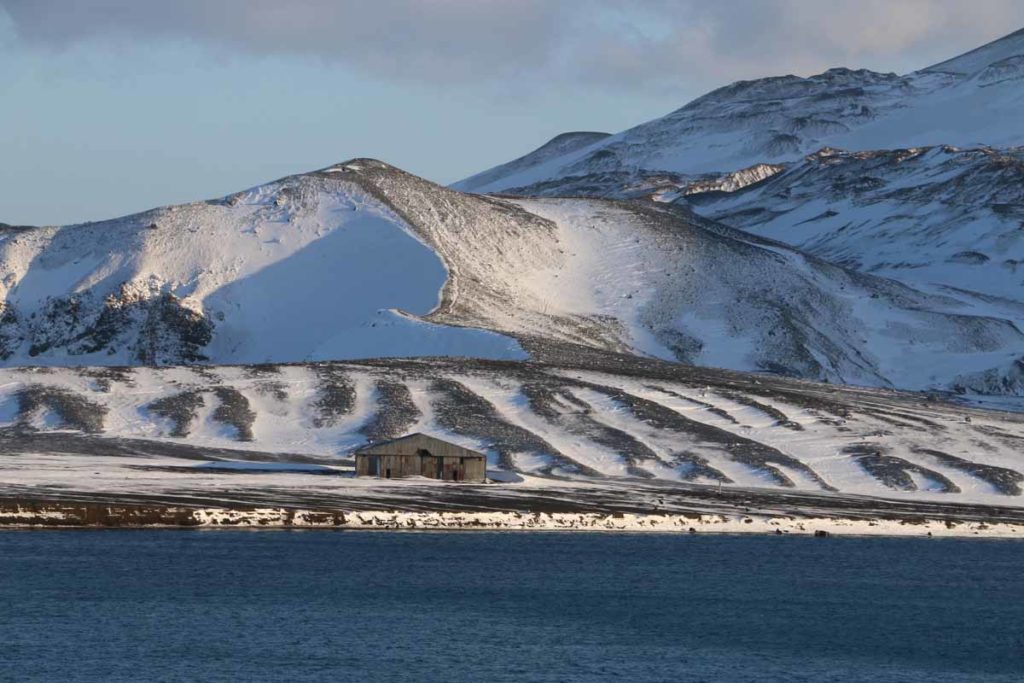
pixel 974 99
pixel 310 267
pixel 566 143
pixel 938 216
pixel 362 260
pixel 917 178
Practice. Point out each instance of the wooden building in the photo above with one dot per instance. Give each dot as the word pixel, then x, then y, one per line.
pixel 421 455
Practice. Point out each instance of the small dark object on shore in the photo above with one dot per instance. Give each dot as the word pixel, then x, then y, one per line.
pixel 820 533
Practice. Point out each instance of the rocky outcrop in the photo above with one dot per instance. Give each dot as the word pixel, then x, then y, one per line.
pixel 146 326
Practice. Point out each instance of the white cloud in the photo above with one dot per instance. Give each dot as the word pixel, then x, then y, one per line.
pixel 623 46
pixel 718 42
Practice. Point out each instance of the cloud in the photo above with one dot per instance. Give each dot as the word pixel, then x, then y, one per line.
pixel 440 40
pixel 737 39
pixel 619 45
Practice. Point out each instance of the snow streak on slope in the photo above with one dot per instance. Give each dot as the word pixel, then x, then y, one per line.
pixel 630 421
pixel 972 100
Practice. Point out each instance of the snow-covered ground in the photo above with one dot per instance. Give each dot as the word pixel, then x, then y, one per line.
pixel 145 431
pixel 64 515
pixel 934 217
pixel 714 297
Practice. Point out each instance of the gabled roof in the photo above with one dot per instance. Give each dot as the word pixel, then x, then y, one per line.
pixel 424 439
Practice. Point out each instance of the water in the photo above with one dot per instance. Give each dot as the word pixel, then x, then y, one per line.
pixel 374 606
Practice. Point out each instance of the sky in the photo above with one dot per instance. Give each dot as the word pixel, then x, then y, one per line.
pixel 109 107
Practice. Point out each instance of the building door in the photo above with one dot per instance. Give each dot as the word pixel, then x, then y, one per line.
pixel 387 473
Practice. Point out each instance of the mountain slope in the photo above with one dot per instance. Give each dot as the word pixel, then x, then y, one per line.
pixel 970 100
pixel 925 215
pixel 554 148
pixel 308 267
pixel 612 418
pixel 304 268
pixel 657 280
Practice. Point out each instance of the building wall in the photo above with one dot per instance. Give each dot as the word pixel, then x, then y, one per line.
pixel 367 465
pixel 451 468
pixel 463 469
pixel 399 466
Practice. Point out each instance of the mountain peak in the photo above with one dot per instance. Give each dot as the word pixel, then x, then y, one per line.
pixel 967 101
pixel 356 165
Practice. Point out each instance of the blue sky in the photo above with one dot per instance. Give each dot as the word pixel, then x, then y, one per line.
pixel 113 106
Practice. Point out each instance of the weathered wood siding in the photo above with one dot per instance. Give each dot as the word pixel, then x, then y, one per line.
pixel 463 469
pixel 454 468
pixel 367 465
pixel 476 469
pixel 419 454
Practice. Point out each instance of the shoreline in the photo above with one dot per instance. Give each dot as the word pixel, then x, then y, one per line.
pixel 22 516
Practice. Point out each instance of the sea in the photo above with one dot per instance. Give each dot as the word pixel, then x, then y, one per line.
pixel 290 605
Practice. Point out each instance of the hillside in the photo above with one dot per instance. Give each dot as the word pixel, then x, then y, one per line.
pixel 310 267
pixel 607 421
pixel 915 178
pixel 930 216
pixel 362 260
pixel 939 218
pixel 967 101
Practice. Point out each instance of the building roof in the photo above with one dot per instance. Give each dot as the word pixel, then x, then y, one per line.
pixel 424 440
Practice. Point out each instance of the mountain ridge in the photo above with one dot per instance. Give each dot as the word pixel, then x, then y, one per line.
pixel 782 118
pixel 439 272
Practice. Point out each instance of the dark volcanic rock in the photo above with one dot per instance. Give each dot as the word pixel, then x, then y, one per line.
pixel 234 410
pixel 895 472
pixel 180 409
pixel 337 395
pixel 396 412
pixel 74 411
pixel 464 412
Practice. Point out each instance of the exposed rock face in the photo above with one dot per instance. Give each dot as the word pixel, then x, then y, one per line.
pixel 143 326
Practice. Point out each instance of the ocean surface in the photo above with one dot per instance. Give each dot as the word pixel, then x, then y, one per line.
pixel 235 605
